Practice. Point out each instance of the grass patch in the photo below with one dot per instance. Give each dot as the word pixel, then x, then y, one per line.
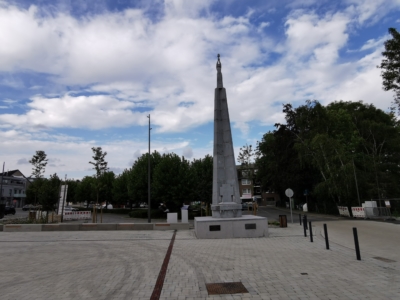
pixel 274 223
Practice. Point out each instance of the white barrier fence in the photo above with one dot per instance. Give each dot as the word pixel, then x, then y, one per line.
pixel 77 215
pixel 358 212
pixel 344 211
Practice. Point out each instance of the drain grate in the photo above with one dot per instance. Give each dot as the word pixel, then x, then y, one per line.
pixel 226 288
pixel 384 259
pixel 304 273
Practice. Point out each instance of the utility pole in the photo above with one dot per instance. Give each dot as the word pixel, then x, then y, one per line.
pixel 1 184
pixel 63 202
pixel 148 185
pixel 355 178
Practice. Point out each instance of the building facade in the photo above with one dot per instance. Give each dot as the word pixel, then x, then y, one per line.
pixel 13 188
pixel 250 187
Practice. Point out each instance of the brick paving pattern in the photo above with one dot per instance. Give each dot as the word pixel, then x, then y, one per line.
pixel 126 265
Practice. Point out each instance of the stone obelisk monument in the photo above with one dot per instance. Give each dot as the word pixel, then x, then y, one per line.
pixel 226 220
pixel 225 197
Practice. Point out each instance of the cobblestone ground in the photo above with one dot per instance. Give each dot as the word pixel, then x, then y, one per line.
pixel 125 265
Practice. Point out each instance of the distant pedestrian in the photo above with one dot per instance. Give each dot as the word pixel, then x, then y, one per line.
pixel 255 207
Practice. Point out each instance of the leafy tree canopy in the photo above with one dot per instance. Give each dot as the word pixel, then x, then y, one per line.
pixel 390 65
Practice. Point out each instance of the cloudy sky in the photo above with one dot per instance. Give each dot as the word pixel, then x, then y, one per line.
pixel 80 74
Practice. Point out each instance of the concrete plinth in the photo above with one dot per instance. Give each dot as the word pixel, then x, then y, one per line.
pixel 247 226
pixel 226 210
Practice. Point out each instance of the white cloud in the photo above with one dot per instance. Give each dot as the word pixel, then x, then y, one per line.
pixel 22 161
pixel 93 112
pixel 187 152
pixel 371 11
pixel 129 65
pixel 71 156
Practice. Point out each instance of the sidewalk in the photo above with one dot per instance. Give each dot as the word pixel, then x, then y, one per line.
pixel 125 265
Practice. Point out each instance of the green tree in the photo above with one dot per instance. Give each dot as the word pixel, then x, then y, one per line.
pixel 246 155
pixel 138 178
pixel 72 190
pixel 49 193
pixel 200 179
pixel 280 167
pixel 338 152
pixel 170 181
pixel 85 191
pixel 99 164
pixel 106 187
pixel 120 189
pixel 390 66
pixel 39 162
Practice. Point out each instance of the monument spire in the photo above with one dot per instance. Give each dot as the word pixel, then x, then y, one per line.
pixel 226 197
pixel 219 74
pixel 226 220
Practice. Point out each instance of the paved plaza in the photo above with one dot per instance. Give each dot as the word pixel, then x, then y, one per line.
pixel 126 265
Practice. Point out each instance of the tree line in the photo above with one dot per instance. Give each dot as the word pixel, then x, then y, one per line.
pixel 340 154
pixel 174 181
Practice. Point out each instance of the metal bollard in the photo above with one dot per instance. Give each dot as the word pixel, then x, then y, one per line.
pixel 305 229
pixel 326 237
pixel 305 221
pixel 311 237
pixel 300 218
pixel 356 243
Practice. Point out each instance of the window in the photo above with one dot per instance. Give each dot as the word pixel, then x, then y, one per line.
pixel 245 173
pixel 246 191
pixel 246 181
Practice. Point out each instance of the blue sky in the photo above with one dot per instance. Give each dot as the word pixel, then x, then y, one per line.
pixel 81 74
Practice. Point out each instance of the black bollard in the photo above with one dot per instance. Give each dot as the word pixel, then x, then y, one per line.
pixel 305 221
pixel 356 243
pixel 300 218
pixel 326 237
pixel 305 229
pixel 311 237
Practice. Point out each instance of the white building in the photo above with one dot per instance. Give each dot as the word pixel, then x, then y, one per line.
pixel 13 188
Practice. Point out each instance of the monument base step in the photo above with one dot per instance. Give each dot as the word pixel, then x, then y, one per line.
pixel 247 226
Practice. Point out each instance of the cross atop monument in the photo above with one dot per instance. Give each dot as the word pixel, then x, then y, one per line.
pixel 226 192
pixel 219 74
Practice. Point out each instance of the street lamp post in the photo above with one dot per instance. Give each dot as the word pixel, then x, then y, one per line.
pixel 1 185
pixel 355 178
pixel 148 185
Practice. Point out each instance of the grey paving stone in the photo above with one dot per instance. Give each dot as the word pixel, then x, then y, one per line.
pixel 126 264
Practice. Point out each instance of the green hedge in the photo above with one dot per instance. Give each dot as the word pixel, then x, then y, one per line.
pixel 142 214
pixel 158 214
pixel 122 211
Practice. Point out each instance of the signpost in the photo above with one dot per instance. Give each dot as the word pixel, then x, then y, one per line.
pixel 289 193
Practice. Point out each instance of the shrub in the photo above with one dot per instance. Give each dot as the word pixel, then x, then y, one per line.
pixel 142 214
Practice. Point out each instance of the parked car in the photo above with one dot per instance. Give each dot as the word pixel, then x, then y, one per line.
pixel 245 206
pixel 144 205
pixel 29 207
pixel 70 208
pixel 10 210
pixel 109 206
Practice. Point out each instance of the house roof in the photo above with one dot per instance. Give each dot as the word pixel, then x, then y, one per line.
pixel 14 173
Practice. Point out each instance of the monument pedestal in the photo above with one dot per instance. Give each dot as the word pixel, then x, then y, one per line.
pixel 247 226
pixel 226 210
